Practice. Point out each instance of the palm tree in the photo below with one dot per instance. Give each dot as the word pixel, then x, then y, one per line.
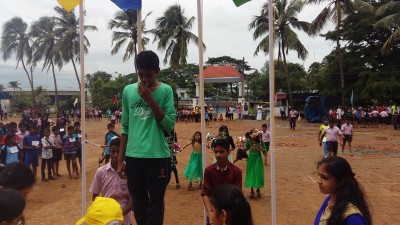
pixel 286 38
pixel 336 11
pixel 45 39
pixel 173 34
pixel 15 40
pixel 125 30
pixel 68 33
pixel 391 20
pixel 14 85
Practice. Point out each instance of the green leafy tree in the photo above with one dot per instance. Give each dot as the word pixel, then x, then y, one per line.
pixel 124 28
pixel 369 74
pixel 391 20
pixel 173 35
pixel 67 32
pixel 2 88
pixel 15 40
pixel 14 85
pixel 284 21
pixel 44 45
pixel 336 11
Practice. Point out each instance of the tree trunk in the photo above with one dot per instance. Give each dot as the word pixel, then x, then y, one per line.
pixel 55 87
pixel 76 72
pixel 339 51
pixel 287 76
pixel 30 79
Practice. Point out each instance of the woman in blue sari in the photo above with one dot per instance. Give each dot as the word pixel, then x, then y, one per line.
pixel 346 203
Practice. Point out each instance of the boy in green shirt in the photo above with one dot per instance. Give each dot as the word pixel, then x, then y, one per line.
pixel 147 112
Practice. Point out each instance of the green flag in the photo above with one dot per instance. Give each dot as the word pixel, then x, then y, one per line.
pixel 240 2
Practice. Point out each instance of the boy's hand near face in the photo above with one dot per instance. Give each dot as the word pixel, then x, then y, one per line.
pixel 144 91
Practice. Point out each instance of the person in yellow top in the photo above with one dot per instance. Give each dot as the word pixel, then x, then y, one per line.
pixel 322 128
pixel 210 112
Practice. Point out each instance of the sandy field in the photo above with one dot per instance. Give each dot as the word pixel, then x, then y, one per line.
pixel 376 162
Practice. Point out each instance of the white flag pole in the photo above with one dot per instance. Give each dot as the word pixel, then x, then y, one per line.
pixel 272 107
pixel 201 83
pixel 139 30
pixel 83 101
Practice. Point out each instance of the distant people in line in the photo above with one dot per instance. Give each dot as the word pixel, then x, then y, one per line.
pixel 346 202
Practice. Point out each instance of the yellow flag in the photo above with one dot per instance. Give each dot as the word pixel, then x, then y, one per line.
pixel 69 5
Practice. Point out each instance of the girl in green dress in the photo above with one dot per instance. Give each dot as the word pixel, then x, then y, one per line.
pixel 194 168
pixel 255 167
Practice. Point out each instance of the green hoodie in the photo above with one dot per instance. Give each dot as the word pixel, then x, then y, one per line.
pixel 145 134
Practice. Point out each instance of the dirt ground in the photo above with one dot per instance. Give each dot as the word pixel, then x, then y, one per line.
pixel 376 163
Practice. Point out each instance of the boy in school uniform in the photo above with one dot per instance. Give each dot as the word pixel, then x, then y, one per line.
pixel 108 183
pixel 31 146
pixel 221 172
pixel 78 132
pixel 107 139
pixel 47 155
pixel 333 134
pixel 69 142
pixel 57 150
pixel 265 138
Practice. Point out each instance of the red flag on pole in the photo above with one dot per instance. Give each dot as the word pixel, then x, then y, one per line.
pixel 114 100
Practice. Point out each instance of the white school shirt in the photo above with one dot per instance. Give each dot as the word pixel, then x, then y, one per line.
pixel 332 134
pixel 347 129
pixel 265 136
pixel 293 113
pixel 384 114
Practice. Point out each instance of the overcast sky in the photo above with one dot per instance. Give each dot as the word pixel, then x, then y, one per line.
pixel 225 29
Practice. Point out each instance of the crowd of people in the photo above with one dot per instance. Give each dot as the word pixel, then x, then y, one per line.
pixel 140 162
pixel 374 116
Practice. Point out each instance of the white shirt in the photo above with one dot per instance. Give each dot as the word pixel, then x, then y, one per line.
pixel 47 153
pixel 384 114
pixel 347 129
pixel 332 134
pixel 293 113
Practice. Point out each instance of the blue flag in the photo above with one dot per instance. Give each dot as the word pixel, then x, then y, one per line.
pixel 128 4
pixel 352 98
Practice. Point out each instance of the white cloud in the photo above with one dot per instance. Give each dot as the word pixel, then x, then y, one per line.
pixel 225 33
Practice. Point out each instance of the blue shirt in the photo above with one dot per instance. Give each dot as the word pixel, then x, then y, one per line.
pixel 109 137
pixel 10 157
pixel 28 139
pixel 354 219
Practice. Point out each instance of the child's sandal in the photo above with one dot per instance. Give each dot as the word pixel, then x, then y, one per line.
pixel 45 180
pixel 189 187
pixel 178 186
pixel 258 194
pixel 252 195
